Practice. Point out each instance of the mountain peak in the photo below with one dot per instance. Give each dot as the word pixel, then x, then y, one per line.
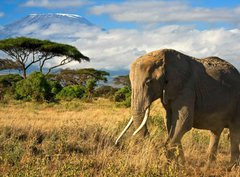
pixel 57 18
pixel 57 14
pixel 49 25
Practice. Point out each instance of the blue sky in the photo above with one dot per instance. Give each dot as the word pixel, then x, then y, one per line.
pixel 12 10
pixel 199 28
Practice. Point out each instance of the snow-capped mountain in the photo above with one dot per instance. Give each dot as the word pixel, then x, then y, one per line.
pixel 107 49
pixel 55 26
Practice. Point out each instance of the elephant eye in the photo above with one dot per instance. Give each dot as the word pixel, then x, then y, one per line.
pixel 148 82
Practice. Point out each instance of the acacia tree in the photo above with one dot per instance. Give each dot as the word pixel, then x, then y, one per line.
pixel 27 51
pixel 122 80
pixel 80 76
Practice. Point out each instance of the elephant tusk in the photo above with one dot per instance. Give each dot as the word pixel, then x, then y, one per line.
pixel 143 122
pixel 124 130
pixel 164 97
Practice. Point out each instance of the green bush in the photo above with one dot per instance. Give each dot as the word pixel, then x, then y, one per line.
pixel 9 79
pixel 105 91
pixel 55 87
pixel 7 84
pixel 35 87
pixel 123 96
pixel 90 87
pixel 70 92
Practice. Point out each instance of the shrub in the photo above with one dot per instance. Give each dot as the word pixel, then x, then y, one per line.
pixel 70 92
pixel 89 88
pixel 35 87
pixel 123 96
pixel 55 87
pixel 9 79
pixel 7 84
pixel 105 91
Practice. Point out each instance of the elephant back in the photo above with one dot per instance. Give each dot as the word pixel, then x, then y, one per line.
pixel 221 70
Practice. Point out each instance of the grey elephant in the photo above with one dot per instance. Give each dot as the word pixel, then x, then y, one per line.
pixel 196 93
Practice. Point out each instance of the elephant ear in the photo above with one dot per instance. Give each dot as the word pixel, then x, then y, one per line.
pixel 177 72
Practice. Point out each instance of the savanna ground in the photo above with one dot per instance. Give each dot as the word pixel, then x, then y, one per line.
pixel 77 139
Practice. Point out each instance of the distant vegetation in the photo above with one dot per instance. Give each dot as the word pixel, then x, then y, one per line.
pixel 67 84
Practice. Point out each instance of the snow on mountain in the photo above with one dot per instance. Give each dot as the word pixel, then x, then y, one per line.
pixel 55 26
pixel 115 49
pixel 101 46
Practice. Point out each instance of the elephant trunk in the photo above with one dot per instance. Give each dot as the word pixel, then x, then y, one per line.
pixel 139 123
pixel 140 112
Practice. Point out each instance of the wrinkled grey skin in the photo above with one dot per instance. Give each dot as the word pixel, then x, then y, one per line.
pixel 199 93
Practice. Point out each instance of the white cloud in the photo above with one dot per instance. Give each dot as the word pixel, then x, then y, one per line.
pixel 153 11
pixel 1 14
pixel 55 3
pixel 118 48
pixel 28 29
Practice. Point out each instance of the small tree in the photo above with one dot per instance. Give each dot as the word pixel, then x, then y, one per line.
pixel 35 87
pixel 27 51
pixel 90 86
pixel 7 84
pixel 70 92
pixel 80 76
pixel 123 96
pixel 55 87
pixel 106 91
pixel 122 80
pixel 9 80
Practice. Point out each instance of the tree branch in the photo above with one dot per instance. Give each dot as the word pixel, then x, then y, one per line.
pixel 63 62
pixel 46 58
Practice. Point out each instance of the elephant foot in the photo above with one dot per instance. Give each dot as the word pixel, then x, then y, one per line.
pixel 210 162
pixel 207 166
pixel 175 155
pixel 234 165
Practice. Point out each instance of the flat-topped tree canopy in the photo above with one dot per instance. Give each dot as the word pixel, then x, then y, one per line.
pixel 28 51
pixel 59 49
pixel 122 80
pixel 79 76
pixel 91 73
pixel 20 43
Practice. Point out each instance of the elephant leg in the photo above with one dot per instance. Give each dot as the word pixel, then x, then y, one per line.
pixel 181 153
pixel 235 141
pixel 168 118
pixel 177 133
pixel 213 145
pixel 175 152
pixel 168 123
pixel 182 121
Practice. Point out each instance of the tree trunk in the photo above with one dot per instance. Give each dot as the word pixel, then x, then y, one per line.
pixel 24 73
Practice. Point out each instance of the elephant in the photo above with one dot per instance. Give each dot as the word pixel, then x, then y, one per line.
pixel 196 93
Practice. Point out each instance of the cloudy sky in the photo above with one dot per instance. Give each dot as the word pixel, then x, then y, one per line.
pixel 133 27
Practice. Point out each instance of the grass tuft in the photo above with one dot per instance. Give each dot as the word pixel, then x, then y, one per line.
pixel 77 139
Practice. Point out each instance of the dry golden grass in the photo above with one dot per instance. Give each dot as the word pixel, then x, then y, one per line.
pixel 47 116
pixel 77 139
